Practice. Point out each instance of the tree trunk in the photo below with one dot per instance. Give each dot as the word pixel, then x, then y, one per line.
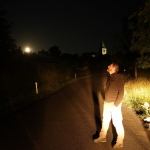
pixel 135 71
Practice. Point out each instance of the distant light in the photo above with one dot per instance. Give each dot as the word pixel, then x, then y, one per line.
pixel 104 51
pixel 27 50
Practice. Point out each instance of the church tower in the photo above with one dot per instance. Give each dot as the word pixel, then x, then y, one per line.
pixel 103 48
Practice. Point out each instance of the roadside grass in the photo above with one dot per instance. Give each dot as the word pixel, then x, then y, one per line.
pixel 137 92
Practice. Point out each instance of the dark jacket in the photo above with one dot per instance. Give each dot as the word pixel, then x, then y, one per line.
pixel 114 91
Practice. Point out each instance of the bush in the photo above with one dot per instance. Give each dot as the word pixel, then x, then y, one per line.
pixel 136 93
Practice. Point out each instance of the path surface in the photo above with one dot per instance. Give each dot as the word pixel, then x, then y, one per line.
pixel 68 120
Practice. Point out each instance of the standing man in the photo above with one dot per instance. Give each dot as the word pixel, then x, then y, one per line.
pixel 114 93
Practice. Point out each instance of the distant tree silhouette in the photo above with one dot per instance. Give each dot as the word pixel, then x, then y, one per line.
pixel 7 43
pixel 54 51
pixel 85 55
pixel 43 52
pixel 123 38
pixel 76 56
pixel 140 26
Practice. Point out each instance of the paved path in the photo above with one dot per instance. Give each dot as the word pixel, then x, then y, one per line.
pixel 68 120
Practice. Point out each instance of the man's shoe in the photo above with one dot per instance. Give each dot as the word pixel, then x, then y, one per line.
pixel 100 139
pixel 117 146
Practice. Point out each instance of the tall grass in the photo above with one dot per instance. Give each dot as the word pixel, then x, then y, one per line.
pixel 137 91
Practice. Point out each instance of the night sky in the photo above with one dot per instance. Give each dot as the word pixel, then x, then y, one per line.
pixel 76 27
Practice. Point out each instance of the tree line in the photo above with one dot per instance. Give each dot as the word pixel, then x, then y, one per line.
pixel 135 36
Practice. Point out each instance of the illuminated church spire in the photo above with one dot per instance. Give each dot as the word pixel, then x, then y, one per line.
pixel 103 48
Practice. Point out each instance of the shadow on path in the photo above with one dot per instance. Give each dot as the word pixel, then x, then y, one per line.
pixel 98 98
pixel 98 119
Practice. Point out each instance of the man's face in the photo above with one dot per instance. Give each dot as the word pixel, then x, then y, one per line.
pixel 111 69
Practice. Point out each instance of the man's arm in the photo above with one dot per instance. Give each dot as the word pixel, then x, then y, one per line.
pixel 120 87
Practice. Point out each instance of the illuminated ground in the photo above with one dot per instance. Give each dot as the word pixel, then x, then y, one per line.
pixel 68 120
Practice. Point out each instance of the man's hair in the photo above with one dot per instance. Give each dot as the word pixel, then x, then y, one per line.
pixel 116 65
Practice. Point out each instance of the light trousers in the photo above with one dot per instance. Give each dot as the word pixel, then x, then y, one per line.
pixel 110 111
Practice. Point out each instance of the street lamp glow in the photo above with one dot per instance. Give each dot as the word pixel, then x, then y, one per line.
pixel 27 50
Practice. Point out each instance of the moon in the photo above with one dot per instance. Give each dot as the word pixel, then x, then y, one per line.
pixel 27 50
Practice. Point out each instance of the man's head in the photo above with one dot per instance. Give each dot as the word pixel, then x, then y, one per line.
pixel 113 68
